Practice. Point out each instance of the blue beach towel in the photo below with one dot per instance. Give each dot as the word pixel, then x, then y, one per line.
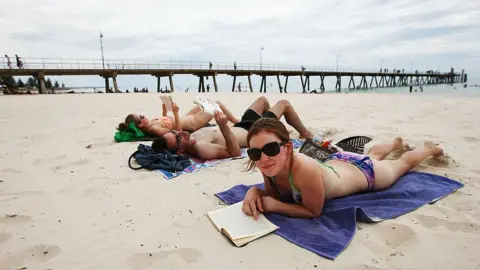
pixel 198 164
pixel 329 234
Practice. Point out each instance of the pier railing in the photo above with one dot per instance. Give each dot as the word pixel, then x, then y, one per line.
pixel 117 64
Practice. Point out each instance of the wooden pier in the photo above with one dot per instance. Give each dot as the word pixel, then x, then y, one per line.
pixel 39 68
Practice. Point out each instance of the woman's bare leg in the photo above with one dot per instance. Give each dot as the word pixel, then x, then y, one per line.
pixel 387 172
pixel 380 151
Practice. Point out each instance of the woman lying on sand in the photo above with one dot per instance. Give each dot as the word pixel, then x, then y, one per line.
pixel 288 175
pixel 193 120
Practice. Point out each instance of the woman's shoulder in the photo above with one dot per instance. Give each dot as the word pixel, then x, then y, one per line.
pixel 303 163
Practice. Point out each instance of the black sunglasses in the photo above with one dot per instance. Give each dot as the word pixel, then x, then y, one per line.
pixel 270 149
pixel 177 137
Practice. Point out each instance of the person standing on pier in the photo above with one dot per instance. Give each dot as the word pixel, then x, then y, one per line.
pixel 235 65
pixel 210 65
pixel 19 62
pixel 9 63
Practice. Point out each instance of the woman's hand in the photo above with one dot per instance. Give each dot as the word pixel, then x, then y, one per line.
pixel 175 108
pixel 252 204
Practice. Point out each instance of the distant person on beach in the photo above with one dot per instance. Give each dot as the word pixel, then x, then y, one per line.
pixel 195 119
pixel 421 88
pixel 411 88
pixel 224 141
pixel 9 63
pixel 298 186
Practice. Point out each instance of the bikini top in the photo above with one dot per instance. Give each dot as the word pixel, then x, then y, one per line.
pixel 165 122
pixel 297 196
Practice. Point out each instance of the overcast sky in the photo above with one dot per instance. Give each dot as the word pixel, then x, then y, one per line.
pixel 430 33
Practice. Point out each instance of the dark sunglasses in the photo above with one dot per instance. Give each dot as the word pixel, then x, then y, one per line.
pixel 270 149
pixel 177 137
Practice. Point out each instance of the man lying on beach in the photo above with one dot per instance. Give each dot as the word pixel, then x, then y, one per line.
pixel 158 126
pixel 224 141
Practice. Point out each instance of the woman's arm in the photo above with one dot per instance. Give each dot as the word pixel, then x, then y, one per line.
pixel 164 110
pixel 178 124
pixel 289 209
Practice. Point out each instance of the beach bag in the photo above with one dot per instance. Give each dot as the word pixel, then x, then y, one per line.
pixel 315 151
pixel 355 144
pixel 148 159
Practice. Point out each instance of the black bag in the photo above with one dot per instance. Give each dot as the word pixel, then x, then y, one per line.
pixel 148 159
pixel 353 144
pixel 313 150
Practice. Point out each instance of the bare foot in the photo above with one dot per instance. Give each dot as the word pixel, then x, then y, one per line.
pixel 400 145
pixel 434 149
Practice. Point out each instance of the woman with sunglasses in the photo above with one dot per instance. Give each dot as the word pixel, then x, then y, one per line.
pixel 297 185
pixel 193 120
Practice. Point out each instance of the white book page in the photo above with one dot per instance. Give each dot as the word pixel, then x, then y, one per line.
pixel 238 224
pixel 167 100
pixel 207 105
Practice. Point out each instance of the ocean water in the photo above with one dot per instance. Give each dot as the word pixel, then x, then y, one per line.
pixel 294 86
pixel 442 89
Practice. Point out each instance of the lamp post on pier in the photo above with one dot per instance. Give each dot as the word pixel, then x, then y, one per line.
pixel 261 49
pixel 101 47
pixel 338 56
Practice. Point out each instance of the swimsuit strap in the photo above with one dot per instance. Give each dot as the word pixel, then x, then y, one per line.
pixel 330 167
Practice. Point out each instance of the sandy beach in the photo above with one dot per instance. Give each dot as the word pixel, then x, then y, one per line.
pixel 69 200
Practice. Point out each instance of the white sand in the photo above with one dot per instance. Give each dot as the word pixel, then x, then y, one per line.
pixel 81 208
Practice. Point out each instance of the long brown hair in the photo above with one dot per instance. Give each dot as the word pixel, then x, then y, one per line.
pixel 269 125
pixel 129 119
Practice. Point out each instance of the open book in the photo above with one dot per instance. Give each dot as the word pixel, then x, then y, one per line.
pixel 237 226
pixel 207 105
pixel 168 101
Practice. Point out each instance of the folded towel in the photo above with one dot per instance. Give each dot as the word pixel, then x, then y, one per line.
pixel 198 164
pixel 329 234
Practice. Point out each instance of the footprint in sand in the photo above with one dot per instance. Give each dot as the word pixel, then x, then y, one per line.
pixel 92 141
pixel 10 171
pixel 361 267
pixel 453 226
pixel 19 195
pixel 394 235
pixel 471 139
pixel 71 164
pixel 14 219
pixel 30 256
pixel 48 160
pixel 169 259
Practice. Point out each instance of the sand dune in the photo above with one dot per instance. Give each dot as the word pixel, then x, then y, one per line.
pixel 69 201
